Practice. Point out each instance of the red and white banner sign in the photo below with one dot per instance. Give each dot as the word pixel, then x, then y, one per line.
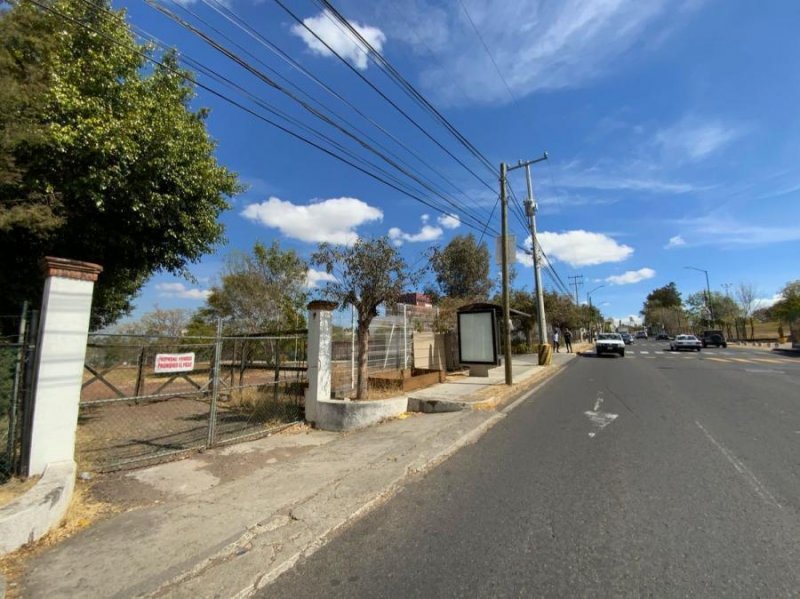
pixel 174 362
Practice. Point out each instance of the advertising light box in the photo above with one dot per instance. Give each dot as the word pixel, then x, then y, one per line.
pixel 477 342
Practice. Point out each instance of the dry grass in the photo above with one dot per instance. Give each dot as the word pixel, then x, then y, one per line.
pixel 14 487
pixel 83 511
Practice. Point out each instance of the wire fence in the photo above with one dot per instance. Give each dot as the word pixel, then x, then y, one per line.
pixel 17 334
pixel 391 343
pixel 146 399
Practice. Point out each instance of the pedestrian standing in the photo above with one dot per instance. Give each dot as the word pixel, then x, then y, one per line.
pixel 556 339
pixel 568 340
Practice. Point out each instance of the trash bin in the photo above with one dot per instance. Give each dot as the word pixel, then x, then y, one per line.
pixel 545 355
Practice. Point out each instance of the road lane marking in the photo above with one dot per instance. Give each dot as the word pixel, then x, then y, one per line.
pixel 748 475
pixel 724 360
pixel 598 402
pixel 644 352
pixel 768 360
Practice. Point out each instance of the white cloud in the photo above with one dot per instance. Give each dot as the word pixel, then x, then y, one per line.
pixel 722 230
pixel 426 233
pixel 449 221
pixel 632 276
pixel 314 277
pixel 694 139
pixel 552 45
pixel 578 248
pixel 675 241
pixel 766 302
pixel 180 290
pixel 339 38
pixel 333 220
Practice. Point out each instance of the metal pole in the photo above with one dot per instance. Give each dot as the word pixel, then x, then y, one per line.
pixel 708 292
pixel 15 393
pixel 506 328
pixel 212 411
pixel 530 208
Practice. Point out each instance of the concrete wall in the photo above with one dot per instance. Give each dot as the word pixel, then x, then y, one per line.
pixel 337 415
pixel 429 351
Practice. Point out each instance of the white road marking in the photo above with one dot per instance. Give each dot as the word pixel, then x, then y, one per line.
pixel 600 420
pixel 764 371
pixel 748 475
pixel 598 402
pixel 644 352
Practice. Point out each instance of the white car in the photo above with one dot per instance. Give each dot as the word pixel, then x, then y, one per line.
pixel 609 343
pixel 689 342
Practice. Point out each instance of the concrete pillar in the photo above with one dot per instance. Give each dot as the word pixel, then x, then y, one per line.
pixel 60 354
pixel 320 330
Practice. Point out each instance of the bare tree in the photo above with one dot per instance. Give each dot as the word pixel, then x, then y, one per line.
pixel 747 294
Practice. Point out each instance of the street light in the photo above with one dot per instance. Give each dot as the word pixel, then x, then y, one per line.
pixel 589 297
pixel 708 291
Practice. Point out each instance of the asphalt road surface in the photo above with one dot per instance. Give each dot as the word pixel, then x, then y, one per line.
pixel 653 475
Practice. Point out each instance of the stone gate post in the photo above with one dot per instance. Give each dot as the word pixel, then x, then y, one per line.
pixel 60 354
pixel 320 329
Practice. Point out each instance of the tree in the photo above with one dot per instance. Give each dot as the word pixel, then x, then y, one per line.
pixel 260 292
pixel 747 294
pixel 101 159
pixel 462 268
pixel 158 323
pixel 368 273
pixel 787 309
pixel 663 308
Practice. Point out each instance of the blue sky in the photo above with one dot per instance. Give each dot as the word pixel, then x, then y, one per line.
pixel 671 127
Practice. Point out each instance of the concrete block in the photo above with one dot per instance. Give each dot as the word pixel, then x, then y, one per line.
pixel 34 514
pixel 334 415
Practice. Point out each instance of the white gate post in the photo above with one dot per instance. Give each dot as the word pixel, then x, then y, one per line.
pixel 320 316
pixel 60 355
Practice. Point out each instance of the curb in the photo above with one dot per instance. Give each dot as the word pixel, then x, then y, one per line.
pixel 33 514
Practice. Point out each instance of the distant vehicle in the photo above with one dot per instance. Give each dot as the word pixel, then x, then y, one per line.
pixel 641 334
pixel 626 337
pixel 689 342
pixel 715 338
pixel 611 343
pixel 662 337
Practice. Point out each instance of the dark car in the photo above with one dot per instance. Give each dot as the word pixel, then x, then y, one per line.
pixel 641 335
pixel 715 338
pixel 662 337
pixel 626 337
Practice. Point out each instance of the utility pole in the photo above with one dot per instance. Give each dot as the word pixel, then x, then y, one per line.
pixel 504 262
pixel 530 210
pixel 708 293
pixel 577 280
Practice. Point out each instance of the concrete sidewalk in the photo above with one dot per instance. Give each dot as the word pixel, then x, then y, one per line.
pixel 227 522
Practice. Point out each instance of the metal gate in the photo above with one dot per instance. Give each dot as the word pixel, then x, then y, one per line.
pixel 17 353
pixel 148 399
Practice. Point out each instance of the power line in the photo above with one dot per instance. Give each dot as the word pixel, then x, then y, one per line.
pixel 305 105
pixel 229 15
pixel 242 107
pixel 488 52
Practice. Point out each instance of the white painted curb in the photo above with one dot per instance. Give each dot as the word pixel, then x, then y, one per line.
pixel 34 514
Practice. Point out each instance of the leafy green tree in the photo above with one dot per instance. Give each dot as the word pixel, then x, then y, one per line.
pixel 260 292
pixel 787 309
pixel 368 273
pixel 663 309
pixel 462 268
pixel 102 157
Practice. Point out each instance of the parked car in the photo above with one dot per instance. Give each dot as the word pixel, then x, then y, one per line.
pixel 626 337
pixel 715 338
pixel 689 342
pixel 662 337
pixel 610 343
pixel 641 334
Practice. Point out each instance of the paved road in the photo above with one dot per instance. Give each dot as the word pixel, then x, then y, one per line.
pixel 654 475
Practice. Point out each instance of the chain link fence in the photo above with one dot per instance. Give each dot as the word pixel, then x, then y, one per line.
pixel 391 342
pixel 148 399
